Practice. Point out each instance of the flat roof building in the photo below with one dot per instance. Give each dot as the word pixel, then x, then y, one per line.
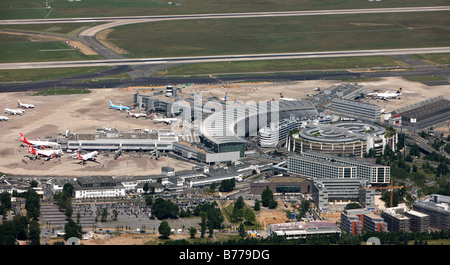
pixel 303 229
pixel 355 109
pixel 437 207
pixel 373 173
pixel 425 113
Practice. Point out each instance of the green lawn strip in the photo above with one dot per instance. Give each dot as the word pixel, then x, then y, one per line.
pixel 282 65
pixel 44 74
pixel 423 78
pixel 433 58
pixel 40 51
pixel 70 29
pixel 61 91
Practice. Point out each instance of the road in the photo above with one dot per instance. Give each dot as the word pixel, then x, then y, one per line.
pixel 220 58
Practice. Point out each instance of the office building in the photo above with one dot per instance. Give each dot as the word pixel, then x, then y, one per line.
pixel 373 173
pixel 355 109
pixel 437 207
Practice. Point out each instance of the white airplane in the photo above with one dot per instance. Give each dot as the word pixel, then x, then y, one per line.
pixel 47 153
pixel 92 156
pixel 119 107
pixel 386 95
pixel 136 115
pixel 14 111
pixel 4 118
pixel 287 99
pixel 165 120
pixel 38 142
pixel 26 106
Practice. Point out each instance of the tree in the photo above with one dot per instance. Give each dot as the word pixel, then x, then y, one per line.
pixel 149 200
pixel 192 232
pixel 249 215
pixel 257 206
pixel 242 230
pixel 227 185
pixel 71 230
pixel 34 232
pixel 203 224
pixel 146 187
pixel 32 204
pixel 164 209
pixel 5 202
pixel 266 196
pixel 164 229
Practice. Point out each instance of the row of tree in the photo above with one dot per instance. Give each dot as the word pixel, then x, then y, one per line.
pixel 21 227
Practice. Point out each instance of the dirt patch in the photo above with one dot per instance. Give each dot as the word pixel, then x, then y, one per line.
pixel 266 217
pixel 42 37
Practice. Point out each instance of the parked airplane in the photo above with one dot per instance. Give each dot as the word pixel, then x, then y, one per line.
pixel 4 118
pixel 47 153
pixel 287 99
pixel 165 120
pixel 38 142
pixel 26 106
pixel 92 156
pixel 14 111
pixel 386 95
pixel 119 107
pixel 136 115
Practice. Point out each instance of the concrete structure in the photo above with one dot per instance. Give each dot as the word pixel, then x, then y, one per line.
pixel 226 128
pixel 355 109
pixel 437 207
pixel 303 229
pixel 276 132
pixel 425 113
pixel 282 185
pixel 402 219
pixel 319 168
pixel 97 187
pixel 112 140
pixel 343 138
pixel 355 221
pixel 326 191
pixel 373 173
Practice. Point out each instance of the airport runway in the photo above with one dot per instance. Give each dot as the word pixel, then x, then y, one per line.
pixel 220 58
pixel 141 19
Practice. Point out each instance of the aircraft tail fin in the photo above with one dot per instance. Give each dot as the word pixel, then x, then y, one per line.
pixel 23 139
pixel 399 90
pixel 31 150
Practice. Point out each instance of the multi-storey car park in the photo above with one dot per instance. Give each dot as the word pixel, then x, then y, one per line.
pixel 343 138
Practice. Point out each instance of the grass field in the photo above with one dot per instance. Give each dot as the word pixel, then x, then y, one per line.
pixel 286 34
pixel 61 91
pixel 44 74
pixel 282 65
pixel 13 9
pixel 69 29
pixel 17 48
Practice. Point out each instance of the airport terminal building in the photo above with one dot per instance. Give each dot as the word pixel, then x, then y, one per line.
pixel 225 131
